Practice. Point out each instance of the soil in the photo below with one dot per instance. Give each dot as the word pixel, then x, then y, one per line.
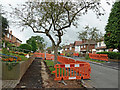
pixel 32 78
pixel 38 76
pixel 57 84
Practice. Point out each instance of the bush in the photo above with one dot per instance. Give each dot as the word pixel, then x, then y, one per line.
pixel 86 56
pixel 26 47
pixel 67 54
pixel 111 55
pixel 5 51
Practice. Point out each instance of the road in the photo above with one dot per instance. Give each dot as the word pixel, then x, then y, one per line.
pixel 102 76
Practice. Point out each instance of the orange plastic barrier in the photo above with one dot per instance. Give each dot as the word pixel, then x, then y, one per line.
pixel 76 54
pixel 42 55
pixel 65 60
pixel 62 54
pixel 72 71
pixel 103 57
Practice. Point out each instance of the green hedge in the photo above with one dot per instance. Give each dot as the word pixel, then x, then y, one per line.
pixel 111 55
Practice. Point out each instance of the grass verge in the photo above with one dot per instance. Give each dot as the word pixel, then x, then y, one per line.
pixel 99 61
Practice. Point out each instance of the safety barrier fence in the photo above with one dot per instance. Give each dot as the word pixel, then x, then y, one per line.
pixel 42 55
pixel 103 57
pixel 72 71
pixel 69 68
pixel 62 54
pixel 65 60
pixel 76 54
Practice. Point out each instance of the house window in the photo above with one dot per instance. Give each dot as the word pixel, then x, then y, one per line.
pixel 81 46
pixel 99 44
pixel 84 46
pixel 10 36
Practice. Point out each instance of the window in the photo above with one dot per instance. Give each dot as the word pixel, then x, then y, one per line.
pixel 84 46
pixel 8 35
pixel 99 44
pixel 81 46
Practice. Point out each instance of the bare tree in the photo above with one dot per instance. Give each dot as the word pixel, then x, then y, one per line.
pixel 52 18
pixel 90 34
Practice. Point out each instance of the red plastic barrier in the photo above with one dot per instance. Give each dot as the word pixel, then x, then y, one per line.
pixel 103 57
pixel 72 71
pixel 76 54
pixel 42 55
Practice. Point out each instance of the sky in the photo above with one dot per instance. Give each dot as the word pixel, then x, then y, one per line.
pixel 72 34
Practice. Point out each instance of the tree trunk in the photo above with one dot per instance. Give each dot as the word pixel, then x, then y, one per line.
pixel 88 47
pixel 118 49
pixel 55 54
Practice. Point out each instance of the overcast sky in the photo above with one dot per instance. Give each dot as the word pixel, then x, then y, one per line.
pixel 71 36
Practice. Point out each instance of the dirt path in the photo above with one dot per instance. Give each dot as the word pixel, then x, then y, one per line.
pixel 32 78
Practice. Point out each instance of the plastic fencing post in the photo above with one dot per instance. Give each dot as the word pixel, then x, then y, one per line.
pixel 45 54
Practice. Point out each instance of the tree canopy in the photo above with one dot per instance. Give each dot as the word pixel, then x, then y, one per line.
pixel 90 34
pixel 26 47
pixel 36 42
pixel 5 24
pixel 112 36
pixel 52 18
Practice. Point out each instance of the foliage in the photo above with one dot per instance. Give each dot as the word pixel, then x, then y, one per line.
pixel 38 41
pixel 26 47
pixel 34 45
pixel 112 36
pixel 99 61
pixel 86 56
pixel 52 18
pixel 5 51
pixel 4 25
pixel 68 54
pixel 111 55
pixel 90 34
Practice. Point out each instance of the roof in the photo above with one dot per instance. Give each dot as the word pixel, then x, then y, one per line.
pixel 77 43
pixel 67 46
pixel 102 47
pixel 89 42
pixel 71 45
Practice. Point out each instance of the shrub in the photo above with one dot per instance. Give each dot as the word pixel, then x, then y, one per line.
pixel 5 51
pixel 86 56
pixel 111 55
pixel 68 55
pixel 26 47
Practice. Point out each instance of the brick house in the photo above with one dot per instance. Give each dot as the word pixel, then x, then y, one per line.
pixel 72 48
pixel 101 46
pixel 84 45
pixel 12 39
pixel 77 46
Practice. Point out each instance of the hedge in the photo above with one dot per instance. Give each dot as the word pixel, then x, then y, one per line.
pixel 111 55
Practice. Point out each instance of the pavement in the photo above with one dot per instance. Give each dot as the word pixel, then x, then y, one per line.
pixel 103 75
pixel 9 84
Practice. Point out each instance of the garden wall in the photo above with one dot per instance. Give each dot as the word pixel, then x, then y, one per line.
pixel 17 71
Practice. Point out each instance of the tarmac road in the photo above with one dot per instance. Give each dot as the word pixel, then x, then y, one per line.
pixel 102 76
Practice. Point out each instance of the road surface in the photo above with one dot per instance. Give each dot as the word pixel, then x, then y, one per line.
pixel 102 76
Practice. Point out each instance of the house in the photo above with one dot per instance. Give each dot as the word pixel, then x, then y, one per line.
pixel 101 46
pixel 72 48
pixel 91 44
pixel 77 46
pixel 11 38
